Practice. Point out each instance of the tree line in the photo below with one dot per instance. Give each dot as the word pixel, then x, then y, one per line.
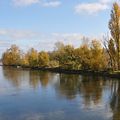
pixel 92 55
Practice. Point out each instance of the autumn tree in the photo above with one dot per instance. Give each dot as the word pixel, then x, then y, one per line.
pixel 66 57
pixel 32 57
pixel 12 56
pixel 43 59
pixel 53 63
pixel 98 59
pixel 84 56
pixel 114 42
pixel 25 58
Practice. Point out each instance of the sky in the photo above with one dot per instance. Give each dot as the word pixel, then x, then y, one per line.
pixel 41 23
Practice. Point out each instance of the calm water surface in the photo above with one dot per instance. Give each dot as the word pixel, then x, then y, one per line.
pixel 36 95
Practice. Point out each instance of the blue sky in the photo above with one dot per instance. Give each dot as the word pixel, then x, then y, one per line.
pixel 40 23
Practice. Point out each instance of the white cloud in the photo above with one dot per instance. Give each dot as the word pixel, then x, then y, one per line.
pixel 51 3
pixel 3 32
pixel 105 1
pixel 27 34
pixel 68 36
pixel 40 41
pixel 18 34
pixel 26 39
pixel 92 8
pixel 25 2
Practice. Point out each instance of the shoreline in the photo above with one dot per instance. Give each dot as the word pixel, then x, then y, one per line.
pixel 66 71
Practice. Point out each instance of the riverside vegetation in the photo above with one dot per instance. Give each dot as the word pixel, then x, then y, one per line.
pixel 93 55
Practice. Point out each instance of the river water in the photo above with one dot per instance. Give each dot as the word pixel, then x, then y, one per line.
pixel 38 95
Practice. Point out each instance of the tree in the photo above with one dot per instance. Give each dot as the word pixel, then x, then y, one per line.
pixel 12 56
pixel 32 57
pixel 114 26
pixel 84 56
pixel 43 59
pixel 98 59
pixel 25 60
pixel 59 45
pixel 66 57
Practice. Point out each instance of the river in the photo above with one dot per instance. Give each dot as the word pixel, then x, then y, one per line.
pixel 38 95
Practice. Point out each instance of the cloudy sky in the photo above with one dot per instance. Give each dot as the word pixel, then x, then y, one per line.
pixel 40 23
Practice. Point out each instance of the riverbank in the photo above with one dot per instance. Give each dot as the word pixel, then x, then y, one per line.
pixel 66 71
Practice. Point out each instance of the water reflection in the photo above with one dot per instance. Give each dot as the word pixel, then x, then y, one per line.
pixel 34 78
pixel 69 85
pixel 91 89
pixel 91 92
pixel 115 100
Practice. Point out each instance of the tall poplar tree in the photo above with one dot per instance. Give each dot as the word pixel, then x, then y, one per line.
pixel 114 26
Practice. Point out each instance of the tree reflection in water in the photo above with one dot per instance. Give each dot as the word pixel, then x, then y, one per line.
pixel 32 77
pixel 115 99
pixel 40 77
pixel 69 85
pixel 90 89
pixel 13 75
